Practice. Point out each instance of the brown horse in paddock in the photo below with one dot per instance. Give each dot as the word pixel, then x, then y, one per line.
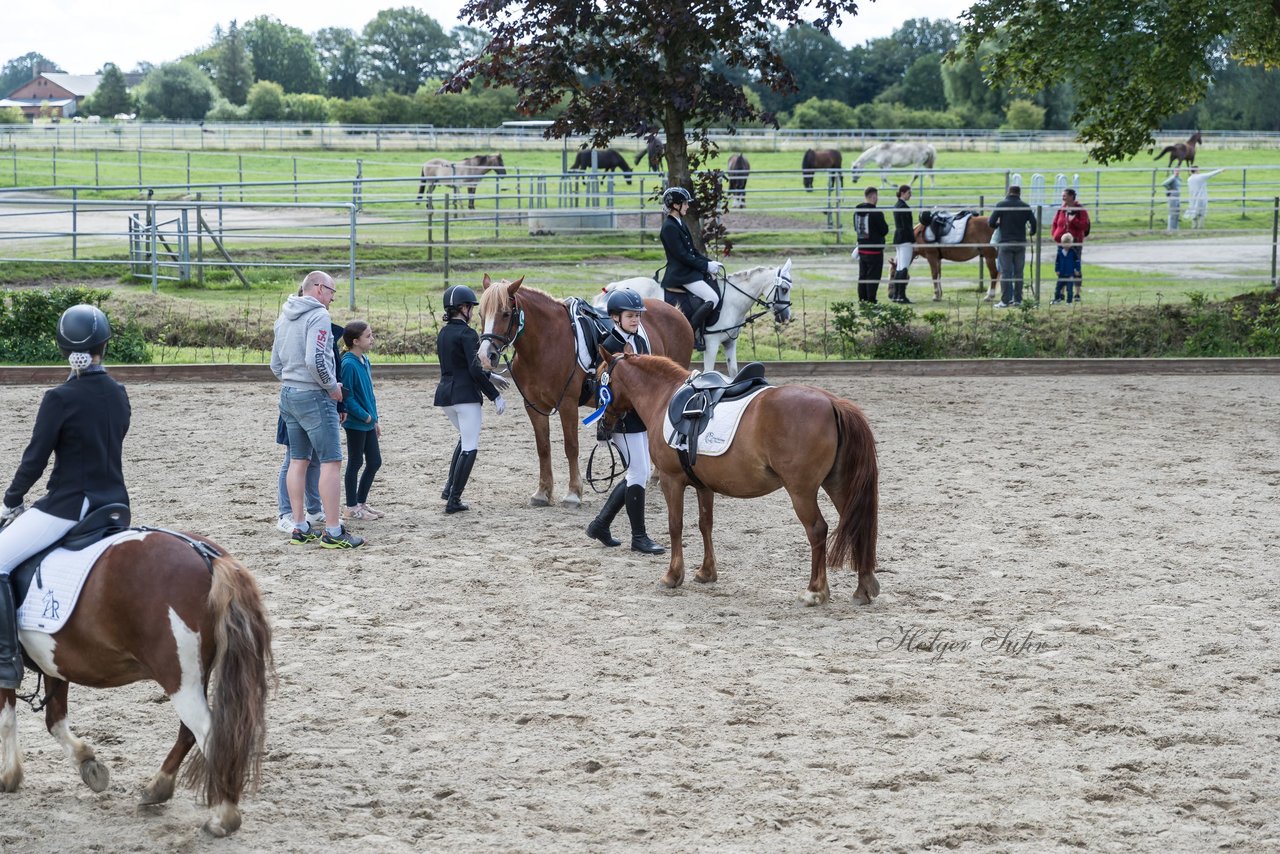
pixel 821 158
pixel 607 160
pixel 738 170
pixel 796 437
pixel 1183 152
pixel 184 614
pixel 976 241
pixel 655 151
pixel 464 173
pixel 533 330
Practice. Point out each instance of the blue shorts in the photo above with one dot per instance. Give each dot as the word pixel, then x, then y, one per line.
pixel 311 417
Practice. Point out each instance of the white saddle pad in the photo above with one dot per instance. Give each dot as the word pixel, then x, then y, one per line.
pixel 955 235
pixel 62 575
pixel 718 436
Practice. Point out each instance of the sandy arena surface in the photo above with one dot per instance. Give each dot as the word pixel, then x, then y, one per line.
pixel 1094 560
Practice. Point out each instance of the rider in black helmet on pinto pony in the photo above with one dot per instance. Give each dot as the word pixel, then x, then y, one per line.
pixel 629 435
pixel 82 424
pixel 687 269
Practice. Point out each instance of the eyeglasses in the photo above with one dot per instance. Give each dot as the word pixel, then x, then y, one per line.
pixel 330 288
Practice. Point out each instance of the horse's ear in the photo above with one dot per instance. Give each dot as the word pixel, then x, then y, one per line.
pixel 488 283
pixel 605 355
pixel 515 286
pixel 786 268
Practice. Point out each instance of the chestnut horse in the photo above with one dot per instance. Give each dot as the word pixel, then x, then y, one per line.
pixel 976 241
pixel 184 614
pixel 1183 152
pixel 796 437
pixel 821 158
pixel 537 330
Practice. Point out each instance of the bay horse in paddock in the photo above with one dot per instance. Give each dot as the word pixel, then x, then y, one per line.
pixel 607 160
pixel 187 615
pixel 465 173
pixel 738 170
pixel 820 158
pixel 1183 152
pixel 795 437
pixel 534 332
pixel 655 151
pixel 976 241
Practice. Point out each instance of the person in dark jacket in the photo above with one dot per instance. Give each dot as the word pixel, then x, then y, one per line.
pixel 462 381
pixel 904 238
pixel 687 268
pixel 1012 220
pixel 361 425
pixel 629 434
pixel 872 230
pixel 82 424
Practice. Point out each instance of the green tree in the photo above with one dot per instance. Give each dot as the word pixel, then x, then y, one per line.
pixel 1023 115
pixel 403 47
pixel 284 54
pixel 632 69
pixel 306 107
pixel 177 90
pixel 233 69
pixel 1130 64
pixel 819 64
pixel 969 94
pixel 265 101
pixel 822 113
pixel 11 116
pixel 111 96
pixel 23 69
pixel 341 62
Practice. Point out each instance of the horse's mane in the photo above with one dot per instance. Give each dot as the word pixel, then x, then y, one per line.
pixel 663 367
pixel 496 295
pixel 807 161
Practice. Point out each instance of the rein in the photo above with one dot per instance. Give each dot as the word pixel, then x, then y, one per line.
pixel 509 340
pixel 766 307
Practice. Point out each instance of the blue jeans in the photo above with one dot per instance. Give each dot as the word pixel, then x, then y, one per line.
pixel 311 417
pixel 312 486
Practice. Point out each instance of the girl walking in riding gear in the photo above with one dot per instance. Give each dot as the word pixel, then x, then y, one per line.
pixel 82 423
pixel 629 435
pixel 462 381
pixel 686 267
pixel 361 425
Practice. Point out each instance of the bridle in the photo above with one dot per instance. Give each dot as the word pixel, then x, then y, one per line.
pixel 605 397
pixel 768 301
pixel 507 340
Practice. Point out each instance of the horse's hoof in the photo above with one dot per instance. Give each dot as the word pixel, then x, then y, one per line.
pixel 95 775
pixel 811 598
pixel 704 577
pixel 571 501
pixel 224 821
pixel 158 791
pixel 539 501
pixel 671 582
pixel 11 783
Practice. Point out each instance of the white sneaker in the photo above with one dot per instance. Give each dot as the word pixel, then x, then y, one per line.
pixel 315 518
pixel 1001 305
pixel 285 524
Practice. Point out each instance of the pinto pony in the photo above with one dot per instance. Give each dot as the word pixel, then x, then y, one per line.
pixel 533 330
pixel 1183 152
pixel 976 241
pixel 188 616
pixel 464 173
pixel 820 158
pixel 795 437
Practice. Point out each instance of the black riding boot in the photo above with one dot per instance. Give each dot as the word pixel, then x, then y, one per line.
pixel 903 276
pixel 640 541
pixel 599 527
pixel 461 473
pixel 448 484
pixel 10 653
pixel 698 321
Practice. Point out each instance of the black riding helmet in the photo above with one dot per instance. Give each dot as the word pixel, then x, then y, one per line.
pixel 624 299
pixel 83 329
pixel 459 295
pixel 676 196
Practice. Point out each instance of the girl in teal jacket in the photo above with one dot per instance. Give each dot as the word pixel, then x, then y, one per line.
pixel 363 429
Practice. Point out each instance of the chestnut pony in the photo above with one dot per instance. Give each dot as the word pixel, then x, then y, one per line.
pixel 796 437
pixel 534 332
pixel 976 241
pixel 153 607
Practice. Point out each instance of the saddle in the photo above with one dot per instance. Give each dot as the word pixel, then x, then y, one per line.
pixel 593 326
pixel 98 525
pixel 688 302
pixel 941 222
pixel 694 403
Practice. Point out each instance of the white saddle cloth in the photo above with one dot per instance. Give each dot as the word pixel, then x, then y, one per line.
pixel 718 436
pixel 955 235
pixel 62 575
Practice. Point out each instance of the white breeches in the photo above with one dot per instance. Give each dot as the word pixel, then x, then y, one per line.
pixel 31 532
pixel 702 290
pixel 903 255
pixel 467 419
pixel 634 448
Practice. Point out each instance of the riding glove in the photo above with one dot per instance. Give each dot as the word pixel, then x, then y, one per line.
pixel 714 267
pixel 500 404
pixel 8 514
pixel 500 382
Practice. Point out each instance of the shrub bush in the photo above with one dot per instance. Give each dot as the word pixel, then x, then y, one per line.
pixel 29 320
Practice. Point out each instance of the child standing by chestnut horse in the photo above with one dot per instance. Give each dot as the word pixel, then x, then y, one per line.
pixel 362 427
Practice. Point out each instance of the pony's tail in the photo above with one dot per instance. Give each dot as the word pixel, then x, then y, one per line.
pixel 856 466
pixel 242 667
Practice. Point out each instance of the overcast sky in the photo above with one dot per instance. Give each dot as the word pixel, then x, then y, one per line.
pixel 81 35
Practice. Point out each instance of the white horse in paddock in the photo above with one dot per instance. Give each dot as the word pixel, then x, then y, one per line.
pixel 889 155
pixel 748 294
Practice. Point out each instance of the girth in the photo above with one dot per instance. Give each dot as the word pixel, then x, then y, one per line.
pixel 693 405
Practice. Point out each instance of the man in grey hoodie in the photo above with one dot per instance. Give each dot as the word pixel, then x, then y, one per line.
pixel 302 359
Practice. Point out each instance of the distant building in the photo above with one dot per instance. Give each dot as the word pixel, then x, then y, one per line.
pixel 62 94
